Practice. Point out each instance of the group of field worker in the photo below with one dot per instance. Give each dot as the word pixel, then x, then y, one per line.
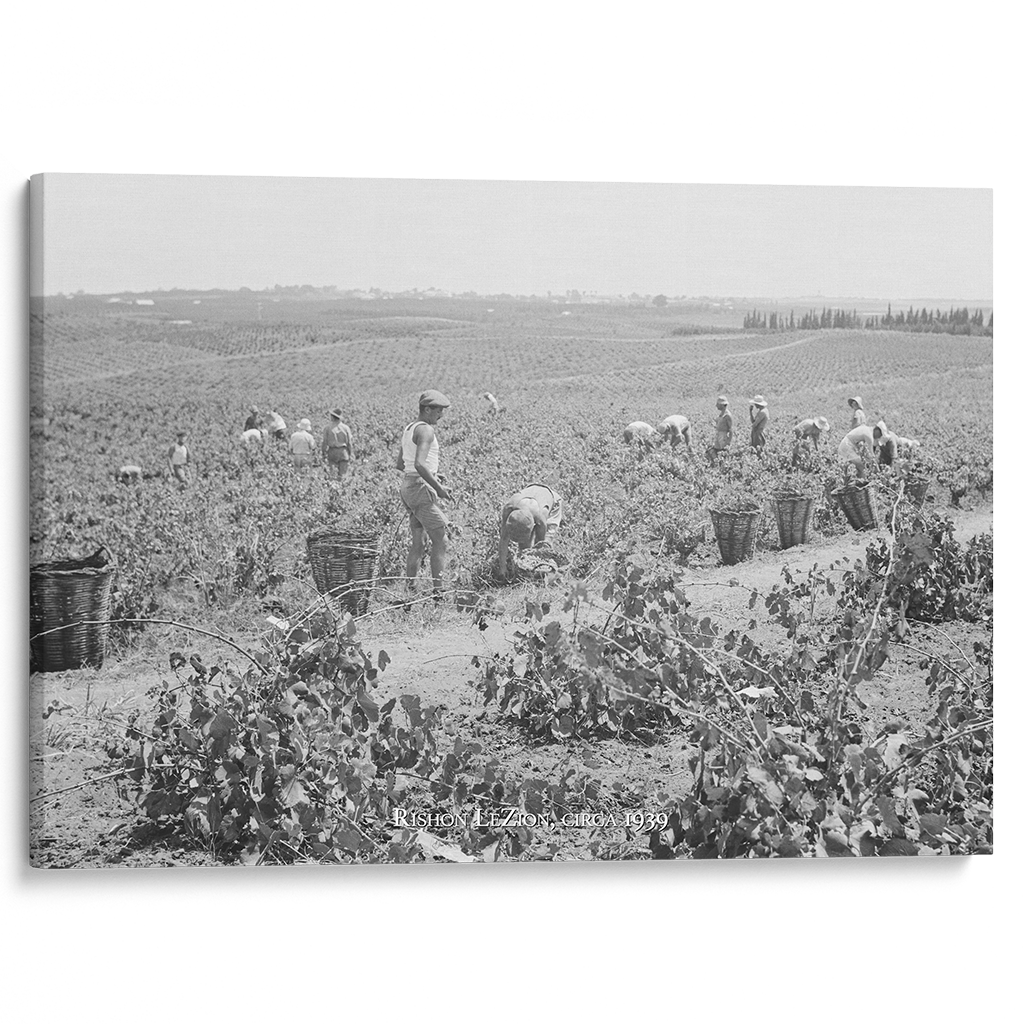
pixel 531 514
pixel 860 443
pixel 335 446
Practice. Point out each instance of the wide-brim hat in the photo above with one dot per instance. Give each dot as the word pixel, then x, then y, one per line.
pixel 821 423
pixel 336 412
pixel 254 408
pixel 432 397
pixel 721 400
pixel 856 400
pixel 758 400
pixel 305 425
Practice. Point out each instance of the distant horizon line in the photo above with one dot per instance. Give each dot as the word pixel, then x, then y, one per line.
pixel 470 294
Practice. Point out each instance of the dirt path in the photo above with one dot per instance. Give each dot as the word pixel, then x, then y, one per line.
pixel 725 589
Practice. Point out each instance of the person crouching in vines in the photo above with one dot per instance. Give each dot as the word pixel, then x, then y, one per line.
pixel 526 519
pixel 859 446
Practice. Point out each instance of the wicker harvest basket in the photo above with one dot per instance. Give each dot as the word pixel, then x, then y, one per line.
pixel 344 566
pixel 735 529
pixel 69 605
pixel 916 489
pixel 858 503
pixel 793 516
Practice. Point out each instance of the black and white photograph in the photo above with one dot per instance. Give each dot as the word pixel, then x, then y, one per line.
pixel 400 521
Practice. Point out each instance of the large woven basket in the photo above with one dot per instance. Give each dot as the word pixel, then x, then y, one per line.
pixel 916 489
pixel 735 530
pixel 69 605
pixel 793 516
pixel 858 503
pixel 344 567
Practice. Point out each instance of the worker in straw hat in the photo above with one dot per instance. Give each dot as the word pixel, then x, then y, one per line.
pixel 252 421
pixel 527 518
pixel 758 421
pixel 812 429
pixel 859 417
pixel 302 444
pixel 337 446
pixel 419 457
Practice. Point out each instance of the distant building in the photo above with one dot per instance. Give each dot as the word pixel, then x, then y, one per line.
pixel 144 302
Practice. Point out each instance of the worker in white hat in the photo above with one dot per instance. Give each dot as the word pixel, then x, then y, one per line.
pixel 758 420
pixel 419 456
pixel 858 417
pixel 891 444
pixel 302 444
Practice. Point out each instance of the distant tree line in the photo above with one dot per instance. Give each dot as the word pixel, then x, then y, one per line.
pixel 953 321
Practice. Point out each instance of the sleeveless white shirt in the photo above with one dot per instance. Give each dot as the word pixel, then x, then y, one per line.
pixel 409 451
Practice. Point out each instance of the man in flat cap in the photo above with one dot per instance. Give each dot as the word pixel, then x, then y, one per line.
pixel 418 459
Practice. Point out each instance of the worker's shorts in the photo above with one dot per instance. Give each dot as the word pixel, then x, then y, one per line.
pixel 421 501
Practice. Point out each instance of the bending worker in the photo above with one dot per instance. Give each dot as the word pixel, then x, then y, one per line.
pixel 527 518
pixel 675 429
pixel 812 428
pixel 418 459
pixel 639 432
pixel 849 448
pixel 891 444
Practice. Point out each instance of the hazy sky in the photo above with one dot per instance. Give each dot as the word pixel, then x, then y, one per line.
pixel 107 233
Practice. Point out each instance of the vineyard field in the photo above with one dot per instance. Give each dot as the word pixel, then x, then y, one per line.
pixel 640 677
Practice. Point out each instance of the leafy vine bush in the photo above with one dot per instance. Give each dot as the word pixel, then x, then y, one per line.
pixel 934 578
pixel 785 761
pixel 294 759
